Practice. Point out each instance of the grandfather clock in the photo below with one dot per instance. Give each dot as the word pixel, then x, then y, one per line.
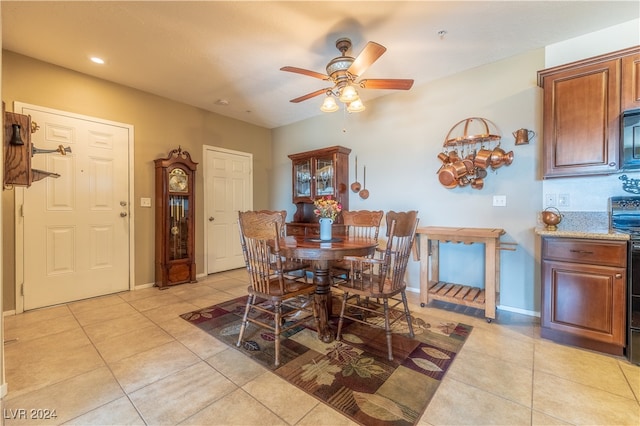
pixel 175 214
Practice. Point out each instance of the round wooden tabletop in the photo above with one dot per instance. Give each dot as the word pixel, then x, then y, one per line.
pixel 308 248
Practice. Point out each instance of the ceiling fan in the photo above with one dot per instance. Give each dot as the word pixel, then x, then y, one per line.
pixel 344 71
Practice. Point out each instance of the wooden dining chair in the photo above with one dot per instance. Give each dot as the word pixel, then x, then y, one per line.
pixel 277 299
pixel 359 224
pixel 293 267
pixel 375 283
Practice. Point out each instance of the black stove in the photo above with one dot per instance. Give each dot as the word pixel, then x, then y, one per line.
pixel 624 216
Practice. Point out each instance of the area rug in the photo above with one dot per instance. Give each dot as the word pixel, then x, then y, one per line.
pixel 353 375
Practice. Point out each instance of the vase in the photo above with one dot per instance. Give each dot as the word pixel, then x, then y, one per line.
pixel 325 228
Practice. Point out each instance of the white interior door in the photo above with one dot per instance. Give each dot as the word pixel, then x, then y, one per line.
pixel 228 188
pixel 77 227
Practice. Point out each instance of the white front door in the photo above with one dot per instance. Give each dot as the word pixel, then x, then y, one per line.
pixel 77 227
pixel 228 188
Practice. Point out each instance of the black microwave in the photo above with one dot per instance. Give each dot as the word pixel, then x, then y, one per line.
pixel 630 140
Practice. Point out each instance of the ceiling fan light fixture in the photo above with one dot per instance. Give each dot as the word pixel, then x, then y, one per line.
pixel 356 106
pixel 329 104
pixel 349 94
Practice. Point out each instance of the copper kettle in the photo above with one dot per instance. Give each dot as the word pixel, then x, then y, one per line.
pixel 551 219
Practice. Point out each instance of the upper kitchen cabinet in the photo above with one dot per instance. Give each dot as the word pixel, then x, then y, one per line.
pixel 631 82
pixel 319 173
pixel 581 113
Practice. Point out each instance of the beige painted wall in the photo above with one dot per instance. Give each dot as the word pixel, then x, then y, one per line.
pixel 159 126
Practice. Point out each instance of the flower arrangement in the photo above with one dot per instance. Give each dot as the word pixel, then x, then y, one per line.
pixel 327 207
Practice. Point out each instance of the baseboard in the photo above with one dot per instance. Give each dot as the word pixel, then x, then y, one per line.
pixel 8 313
pixel 141 286
pixel 3 391
pixel 519 311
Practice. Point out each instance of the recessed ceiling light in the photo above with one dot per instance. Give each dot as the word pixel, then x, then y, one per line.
pixel 223 102
pixel 97 60
pixel 442 33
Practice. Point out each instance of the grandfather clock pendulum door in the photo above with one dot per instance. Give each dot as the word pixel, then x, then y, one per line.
pixel 175 214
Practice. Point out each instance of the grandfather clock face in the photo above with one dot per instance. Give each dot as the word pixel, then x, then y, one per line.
pixel 178 181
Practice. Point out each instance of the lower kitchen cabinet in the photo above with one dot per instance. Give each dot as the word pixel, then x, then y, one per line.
pixel 584 293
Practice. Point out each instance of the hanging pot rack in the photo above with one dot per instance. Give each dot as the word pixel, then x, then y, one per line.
pixel 462 163
pixel 485 134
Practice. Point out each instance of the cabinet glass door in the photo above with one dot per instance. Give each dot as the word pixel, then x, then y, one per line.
pixel 178 227
pixel 324 177
pixel 302 179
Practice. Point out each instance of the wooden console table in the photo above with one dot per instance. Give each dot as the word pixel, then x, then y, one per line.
pixel 431 288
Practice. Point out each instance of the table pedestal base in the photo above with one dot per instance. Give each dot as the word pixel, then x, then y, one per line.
pixel 322 299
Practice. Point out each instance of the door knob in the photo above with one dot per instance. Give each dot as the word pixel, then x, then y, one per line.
pixel 211 219
pixel 123 214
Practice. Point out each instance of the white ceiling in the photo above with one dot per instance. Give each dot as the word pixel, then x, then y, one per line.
pixel 198 52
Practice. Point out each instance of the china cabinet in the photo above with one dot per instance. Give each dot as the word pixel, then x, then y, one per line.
pixel 584 293
pixel 582 103
pixel 175 214
pixel 315 174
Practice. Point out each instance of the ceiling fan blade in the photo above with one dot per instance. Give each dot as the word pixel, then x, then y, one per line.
pixel 387 83
pixel 310 95
pixel 371 52
pixel 305 72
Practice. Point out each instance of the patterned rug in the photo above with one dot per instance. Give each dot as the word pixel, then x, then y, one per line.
pixel 354 375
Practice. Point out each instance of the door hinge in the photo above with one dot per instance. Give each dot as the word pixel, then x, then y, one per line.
pixel 22 210
pixel 22 289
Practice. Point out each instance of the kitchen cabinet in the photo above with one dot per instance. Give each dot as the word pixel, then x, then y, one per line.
pixel 631 82
pixel 584 293
pixel 582 103
pixel 315 174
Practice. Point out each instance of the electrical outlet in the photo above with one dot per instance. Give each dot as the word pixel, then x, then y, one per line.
pixel 563 200
pixel 145 202
pixel 499 200
pixel 550 200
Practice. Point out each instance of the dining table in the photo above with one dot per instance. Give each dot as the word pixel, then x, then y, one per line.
pixel 320 253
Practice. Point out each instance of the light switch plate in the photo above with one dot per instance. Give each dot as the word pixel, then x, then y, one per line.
pixel 145 202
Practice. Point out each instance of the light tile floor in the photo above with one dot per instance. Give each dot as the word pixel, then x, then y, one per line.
pixel 129 359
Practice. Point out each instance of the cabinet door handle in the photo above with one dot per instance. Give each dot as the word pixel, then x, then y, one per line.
pixel 618 275
pixel 581 251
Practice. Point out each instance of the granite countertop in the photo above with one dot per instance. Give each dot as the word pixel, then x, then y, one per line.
pixel 593 225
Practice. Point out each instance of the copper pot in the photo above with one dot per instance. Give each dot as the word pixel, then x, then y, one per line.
pixel 444 158
pixel 551 218
pixel 481 173
pixel 477 183
pixel 447 176
pixel 468 163
pixel 508 158
pixel 497 157
pixel 460 169
pixel 482 158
